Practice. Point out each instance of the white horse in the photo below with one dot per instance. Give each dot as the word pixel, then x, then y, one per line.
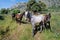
pixel 38 19
pixel 26 15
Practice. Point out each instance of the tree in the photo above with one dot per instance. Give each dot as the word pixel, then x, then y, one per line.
pixel 30 3
pixel 0 11
pixel 8 10
pixel 37 6
pixel 43 6
pixel 15 11
pixel 3 11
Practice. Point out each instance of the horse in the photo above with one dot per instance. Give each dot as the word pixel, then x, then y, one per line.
pixel 13 16
pixel 41 20
pixel 18 17
pixel 47 20
pixel 27 16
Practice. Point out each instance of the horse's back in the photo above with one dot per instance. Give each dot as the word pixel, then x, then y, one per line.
pixel 37 19
pixel 18 15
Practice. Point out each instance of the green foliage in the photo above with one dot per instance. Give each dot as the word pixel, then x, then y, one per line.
pixel 30 3
pixel 15 11
pixel 0 11
pixel 8 10
pixel 43 6
pixel 4 11
pixel 38 6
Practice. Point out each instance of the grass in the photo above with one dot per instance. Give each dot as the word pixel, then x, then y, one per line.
pixel 24 31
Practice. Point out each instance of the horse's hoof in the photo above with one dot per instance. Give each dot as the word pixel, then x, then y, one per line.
pixel 19 24
pixel 33 34
pixel 40 31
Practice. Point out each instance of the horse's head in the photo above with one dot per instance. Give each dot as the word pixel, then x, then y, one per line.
pixel 27 16
pixel 23 13
pixel 13 14
pixel 48 16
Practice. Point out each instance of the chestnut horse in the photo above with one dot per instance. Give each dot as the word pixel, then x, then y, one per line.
pixel 18 17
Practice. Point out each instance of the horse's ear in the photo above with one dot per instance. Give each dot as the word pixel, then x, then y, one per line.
pixel 49 15
pixel 23 13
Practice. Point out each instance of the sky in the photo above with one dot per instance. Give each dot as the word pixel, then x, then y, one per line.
pixel 9 3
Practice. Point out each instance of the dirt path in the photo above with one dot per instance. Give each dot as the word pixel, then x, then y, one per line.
pixel 38 36
pixel 16 33
pixel 19 31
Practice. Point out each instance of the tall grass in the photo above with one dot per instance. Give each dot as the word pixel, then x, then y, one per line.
pixel 24 31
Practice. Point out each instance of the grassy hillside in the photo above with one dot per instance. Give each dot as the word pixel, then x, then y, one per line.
pixel 24 31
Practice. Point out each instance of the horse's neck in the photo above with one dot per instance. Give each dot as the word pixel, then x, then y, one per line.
pixel 26 12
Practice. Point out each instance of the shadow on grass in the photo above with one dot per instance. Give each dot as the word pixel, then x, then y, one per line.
pixel 3 32
pixel 1 17
pixel 24 22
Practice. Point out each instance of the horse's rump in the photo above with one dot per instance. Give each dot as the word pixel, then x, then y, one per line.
pixel 17 16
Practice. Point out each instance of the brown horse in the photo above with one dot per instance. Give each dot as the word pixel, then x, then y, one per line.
pixel 19 17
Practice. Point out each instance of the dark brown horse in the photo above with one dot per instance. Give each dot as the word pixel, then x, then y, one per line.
pixel 47 21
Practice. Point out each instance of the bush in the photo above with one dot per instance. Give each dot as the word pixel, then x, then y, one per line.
pixel 4 11
pixel 15 11
pixel 37 6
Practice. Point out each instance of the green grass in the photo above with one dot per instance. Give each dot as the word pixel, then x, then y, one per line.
pixel 24 31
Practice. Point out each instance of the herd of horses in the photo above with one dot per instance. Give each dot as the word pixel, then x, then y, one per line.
pixel 39 21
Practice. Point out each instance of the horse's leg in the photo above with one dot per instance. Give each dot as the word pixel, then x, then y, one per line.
pixel 49 27
pixel 17 20
pixel 25 18
pixel 45 24
pixel 33 29
pixel 21 19
pixel 40 26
